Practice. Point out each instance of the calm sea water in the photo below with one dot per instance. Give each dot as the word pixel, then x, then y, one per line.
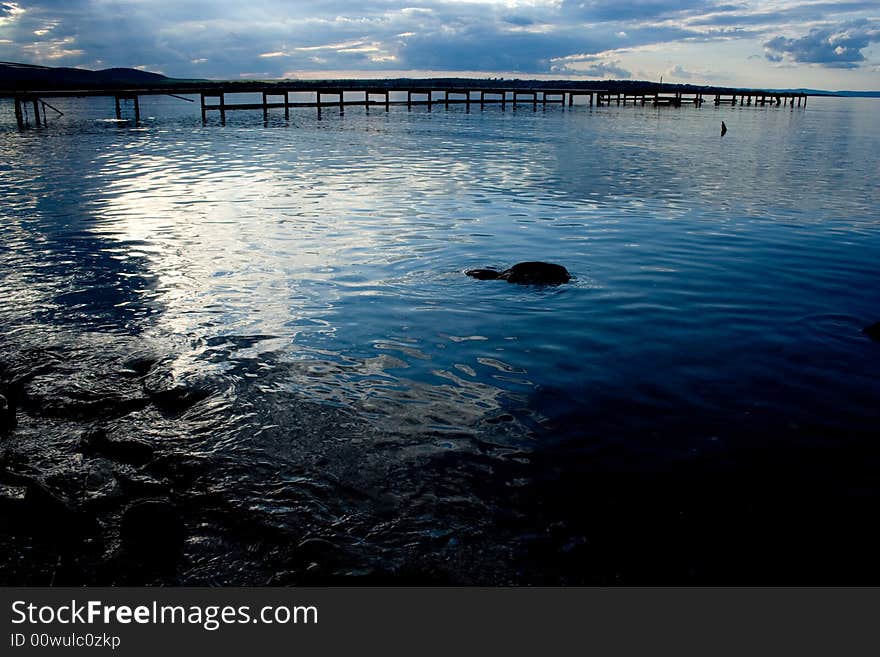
pixel 699 404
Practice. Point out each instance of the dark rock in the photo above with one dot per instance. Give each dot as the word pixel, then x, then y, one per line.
pixel 152 530
pixel 7 416
pixel 51 506
pixel 483 274
pixel 49 512
pixel 128 450
pixel 80 395
pixel 536 273
pixel 141 485
pixel 873 331
pixel 318 550
pixel 139 366
pixel 174 395
pixel 526 273
pixel 101 487
pixel 12 497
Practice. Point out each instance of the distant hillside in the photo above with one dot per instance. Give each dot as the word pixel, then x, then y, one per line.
pixel 25 76
pixel 848 94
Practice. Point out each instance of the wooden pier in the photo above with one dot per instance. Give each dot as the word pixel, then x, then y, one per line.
pixel 31 106
pixel 677 99
pixel 762 98
pixel 341 98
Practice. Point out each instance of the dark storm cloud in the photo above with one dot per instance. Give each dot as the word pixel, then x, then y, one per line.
pixel 522 21
pixel 633 10
pixel 485 48
pixel 740 16
pixel 838 47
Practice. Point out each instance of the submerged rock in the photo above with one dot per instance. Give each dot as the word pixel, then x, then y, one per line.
pixel 152 530
pixel 526 273
pixel 84 395
pixel 873 331
pixel 138 366
pixel 318 550
pixel 101 486
pixel 483 274
pixel 7 416
pixel 47 511
pixel 172 394
pixel 128 450
pixel 11 496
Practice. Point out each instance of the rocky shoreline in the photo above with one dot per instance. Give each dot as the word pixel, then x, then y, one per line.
pixel 108 476
pixel 83 501
pixel 102 482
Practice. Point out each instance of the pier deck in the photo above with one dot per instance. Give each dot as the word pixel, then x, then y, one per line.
pixel 213 97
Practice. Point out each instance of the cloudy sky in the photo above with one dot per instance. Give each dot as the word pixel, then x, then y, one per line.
pixel 761 43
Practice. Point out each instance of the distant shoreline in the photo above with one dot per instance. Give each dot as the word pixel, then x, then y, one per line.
pixel 16 78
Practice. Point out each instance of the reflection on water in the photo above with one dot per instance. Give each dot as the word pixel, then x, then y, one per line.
pixel 360 390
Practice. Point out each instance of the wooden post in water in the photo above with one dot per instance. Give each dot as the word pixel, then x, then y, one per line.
pixel 137 109
pixel 204 111
pixel 409 99
pixel 19 115
pixel 265 107
pixel 118 110
pixel 223 108
pixel 287 105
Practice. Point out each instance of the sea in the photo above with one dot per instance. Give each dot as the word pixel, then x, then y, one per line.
pixel 247 353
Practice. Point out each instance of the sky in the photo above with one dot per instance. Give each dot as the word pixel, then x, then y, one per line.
pixel 743 43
